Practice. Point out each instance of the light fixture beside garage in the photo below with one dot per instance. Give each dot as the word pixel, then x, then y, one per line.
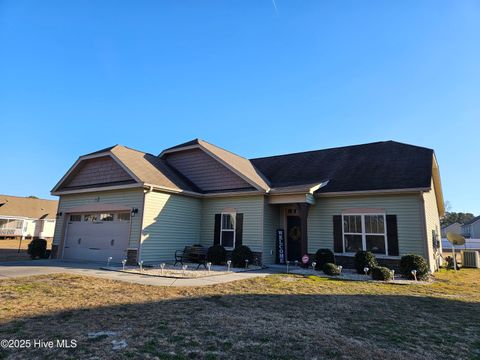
pixel 134 211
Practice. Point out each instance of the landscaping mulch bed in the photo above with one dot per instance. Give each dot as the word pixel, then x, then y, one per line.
pixel 176 272
pixel 352 275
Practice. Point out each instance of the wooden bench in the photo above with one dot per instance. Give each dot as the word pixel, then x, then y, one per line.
pixel 194 254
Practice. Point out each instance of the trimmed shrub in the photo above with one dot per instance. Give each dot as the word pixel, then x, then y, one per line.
pixel 331 269
pixel 322 257
pixel 381 273
pixel 37 248
pixel 364 259
pixel 414 262
pixel 217 255
pixel 240 254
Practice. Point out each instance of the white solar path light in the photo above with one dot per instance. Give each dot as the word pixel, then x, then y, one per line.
pixel 414 273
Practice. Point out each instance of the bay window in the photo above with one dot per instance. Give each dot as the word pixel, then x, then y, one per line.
pixel 364 232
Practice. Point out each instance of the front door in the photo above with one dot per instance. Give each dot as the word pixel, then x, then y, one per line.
pixel 294 238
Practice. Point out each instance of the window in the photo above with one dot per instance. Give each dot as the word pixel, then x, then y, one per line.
pixel 106 217
pixel 227 233
pixel 90 217
pixel 364 232
pixel 352 233
pixel 75 217
pixel 123 217
pixel 11 224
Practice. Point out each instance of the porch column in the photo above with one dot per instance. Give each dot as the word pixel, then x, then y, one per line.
pixel 303 211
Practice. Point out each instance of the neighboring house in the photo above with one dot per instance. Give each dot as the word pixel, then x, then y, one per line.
pixel 23 217
pixel 471 229
pixel 470 244
pixel 385 197
pixel 453 228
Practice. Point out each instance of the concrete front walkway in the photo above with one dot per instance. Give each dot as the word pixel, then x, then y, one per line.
pixel 44 267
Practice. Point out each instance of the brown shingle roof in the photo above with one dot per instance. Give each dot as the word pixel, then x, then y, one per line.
pixel 150 169
pixel 28 207
pixel 239 164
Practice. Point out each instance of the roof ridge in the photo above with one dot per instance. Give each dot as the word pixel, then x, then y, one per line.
pixel 473 220
pixel 27 197
pixel 337 148
pixel 221 148
pixel 136 150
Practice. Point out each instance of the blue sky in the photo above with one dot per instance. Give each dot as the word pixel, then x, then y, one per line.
pixel 77 76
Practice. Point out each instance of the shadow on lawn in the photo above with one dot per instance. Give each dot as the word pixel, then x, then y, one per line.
pixel 263 326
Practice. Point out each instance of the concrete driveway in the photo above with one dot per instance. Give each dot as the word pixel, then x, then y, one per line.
pixel 44 267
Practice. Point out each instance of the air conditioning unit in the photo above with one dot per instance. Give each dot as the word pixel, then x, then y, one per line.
pixel 471 259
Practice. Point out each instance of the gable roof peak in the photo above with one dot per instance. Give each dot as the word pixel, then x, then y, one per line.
pixel 474 220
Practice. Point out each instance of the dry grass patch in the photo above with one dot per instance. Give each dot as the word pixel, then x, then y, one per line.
pixel 279 317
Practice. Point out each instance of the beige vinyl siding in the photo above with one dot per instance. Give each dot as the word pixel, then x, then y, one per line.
pixel 170 223
pixel 432 222
pixel 252 209
pixel 271 224
pixel 132 198
pixel 407 208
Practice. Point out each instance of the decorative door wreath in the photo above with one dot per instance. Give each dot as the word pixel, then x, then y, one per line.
pixel 294 233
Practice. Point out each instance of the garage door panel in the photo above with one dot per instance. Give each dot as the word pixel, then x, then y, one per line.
pixel 98 240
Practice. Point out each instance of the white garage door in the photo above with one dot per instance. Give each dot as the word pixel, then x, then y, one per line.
pixel 97 236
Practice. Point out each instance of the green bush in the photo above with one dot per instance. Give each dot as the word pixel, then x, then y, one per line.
pixel 217 255
pixel 414 262
pixel 37 248
pixel 322 257
pixel 331 269
pixel 364 259
pixel 240 254
pixel 381 273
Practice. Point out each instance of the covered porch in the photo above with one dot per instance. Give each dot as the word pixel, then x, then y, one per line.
pixel 12 227
pixel 292 206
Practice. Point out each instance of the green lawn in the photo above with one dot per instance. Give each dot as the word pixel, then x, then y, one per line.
pixel 280 317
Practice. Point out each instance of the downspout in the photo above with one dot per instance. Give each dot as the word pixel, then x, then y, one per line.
pixel 139 251
pixel 424 226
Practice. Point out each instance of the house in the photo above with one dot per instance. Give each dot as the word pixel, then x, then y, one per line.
pixel 453 228
pixel 385 197
pixel 471 229
pixel 27 217
pixel 470 245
